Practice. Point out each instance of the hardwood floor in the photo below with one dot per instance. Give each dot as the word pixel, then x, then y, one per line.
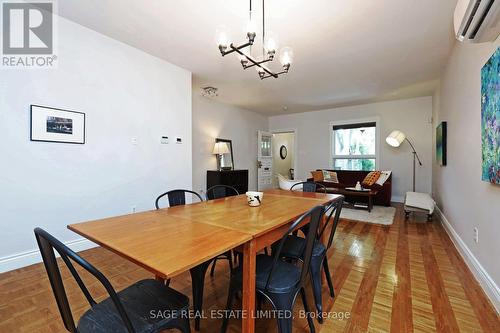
pixel 407 277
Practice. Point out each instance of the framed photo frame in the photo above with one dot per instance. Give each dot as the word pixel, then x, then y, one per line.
pixel 227 160
pixel 490 119
pixel 441 143
pixel 56 125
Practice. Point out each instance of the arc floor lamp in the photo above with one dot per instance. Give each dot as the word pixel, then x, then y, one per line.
pixel 395 139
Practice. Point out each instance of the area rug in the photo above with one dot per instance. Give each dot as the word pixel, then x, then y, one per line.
pixel 378 215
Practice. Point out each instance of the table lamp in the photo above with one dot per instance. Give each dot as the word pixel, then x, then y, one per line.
pixel 395 139
pixel 220 148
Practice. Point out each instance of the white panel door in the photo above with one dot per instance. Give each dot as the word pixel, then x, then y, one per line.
pixel 264 161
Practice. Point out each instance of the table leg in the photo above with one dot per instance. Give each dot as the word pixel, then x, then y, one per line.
pixel 249 261
pixel 159 278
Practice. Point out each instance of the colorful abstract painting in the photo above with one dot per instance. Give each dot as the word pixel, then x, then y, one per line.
pixel 490 119
pixel 441 143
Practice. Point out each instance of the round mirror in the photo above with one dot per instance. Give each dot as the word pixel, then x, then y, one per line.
pixel 283 152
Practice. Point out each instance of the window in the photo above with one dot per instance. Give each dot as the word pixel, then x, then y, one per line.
pixel 354 146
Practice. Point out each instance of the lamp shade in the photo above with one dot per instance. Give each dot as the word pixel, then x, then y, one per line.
pixel 396 138
pixel 220 148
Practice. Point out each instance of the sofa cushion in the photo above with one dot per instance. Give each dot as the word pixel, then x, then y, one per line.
pixel 371 178
pixel 330 176
pixel 317 175
pixel 384 175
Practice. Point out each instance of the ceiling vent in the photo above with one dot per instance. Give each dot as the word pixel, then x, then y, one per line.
pixel 477 21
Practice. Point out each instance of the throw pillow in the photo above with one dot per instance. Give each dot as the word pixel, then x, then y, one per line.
pixel 384 175
pixel 330 176
pixel 371 178
pixel 317 175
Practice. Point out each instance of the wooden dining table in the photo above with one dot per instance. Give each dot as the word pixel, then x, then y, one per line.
pixel 173 240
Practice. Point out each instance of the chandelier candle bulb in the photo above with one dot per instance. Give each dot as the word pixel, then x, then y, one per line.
pixel 251 30
pixel 222 38
pixel 286 56
pixel 271 45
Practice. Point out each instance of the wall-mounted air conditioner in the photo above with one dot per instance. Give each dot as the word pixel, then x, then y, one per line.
pixel 477 21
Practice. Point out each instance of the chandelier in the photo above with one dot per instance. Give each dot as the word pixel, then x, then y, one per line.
pixel 269 47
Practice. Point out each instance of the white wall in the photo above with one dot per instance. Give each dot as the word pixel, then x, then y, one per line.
pixel 216 120
pixel 464 199
pixel 412 116
pixel 125 93
pixel 283 166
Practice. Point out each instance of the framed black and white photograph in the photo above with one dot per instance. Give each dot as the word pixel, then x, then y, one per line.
pixel 57 125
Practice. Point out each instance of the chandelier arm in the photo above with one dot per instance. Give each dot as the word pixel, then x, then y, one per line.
pixel 277 74
pixel 253 61
pixel 259 62
pixel 234 48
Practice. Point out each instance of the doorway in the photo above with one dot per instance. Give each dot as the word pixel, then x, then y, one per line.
pixel 284 159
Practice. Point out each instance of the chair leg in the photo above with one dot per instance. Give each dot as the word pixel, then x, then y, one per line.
pixel 312 329
pixel 230 258
pixel 187 326
pixel 198 283
pixel 328 277
pixel 284 303
pixel 167 283
pixel 182 324
pixel 212 271
pixel 228 255
pixel 317 286
pixel 260 300
pixel 236 258
pixel 229 305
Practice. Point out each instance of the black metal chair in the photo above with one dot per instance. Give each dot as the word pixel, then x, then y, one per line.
pixel 309 187
pixel 293 249
pixel 177 198
pixel 218 192
pixel 221 191
pixel 128 310
pixel 278 281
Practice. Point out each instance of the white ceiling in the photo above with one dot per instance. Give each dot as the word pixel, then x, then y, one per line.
pixel 346 52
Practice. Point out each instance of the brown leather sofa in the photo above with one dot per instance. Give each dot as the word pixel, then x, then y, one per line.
pixel 348 178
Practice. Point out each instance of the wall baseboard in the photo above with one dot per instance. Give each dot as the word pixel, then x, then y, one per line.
pixel 487 283
pixel 27 258
pixel 398 198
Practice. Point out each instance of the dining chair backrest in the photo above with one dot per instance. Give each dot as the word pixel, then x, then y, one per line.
pixel 315 215
pixel 221 191
pixel 332 212
pixel 176 197
pixel 47 244
pixel 309 187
